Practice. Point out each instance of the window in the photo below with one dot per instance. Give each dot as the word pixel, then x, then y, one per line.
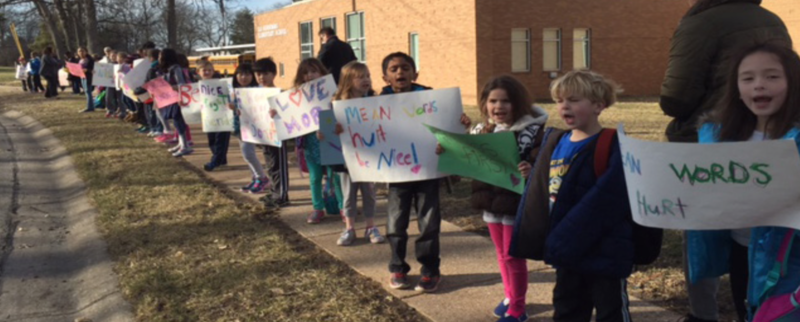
pixel 581 48
pixel 413 48
pixel 328 22
pixel 520 50
pixel 355 35
pixel 551 48
pixel 306 40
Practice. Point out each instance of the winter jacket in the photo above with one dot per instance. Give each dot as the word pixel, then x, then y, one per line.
pixel 50 66
pixel 590 230
pixel 529 133
pixel 36 66
pixel 708 251
pixel 334 54
pixel 699 59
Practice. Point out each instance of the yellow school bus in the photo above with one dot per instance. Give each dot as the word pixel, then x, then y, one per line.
pixel 225 65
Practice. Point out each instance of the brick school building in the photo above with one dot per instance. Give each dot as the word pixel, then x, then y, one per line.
pixel 789 11
pixel 462 43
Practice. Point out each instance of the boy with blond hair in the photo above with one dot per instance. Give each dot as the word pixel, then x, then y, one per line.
pixel 589 237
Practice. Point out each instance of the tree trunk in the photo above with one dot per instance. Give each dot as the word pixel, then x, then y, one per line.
pixel 172 25
pixel 52 26
pixel 66 24
pixel 76 14
pixel 90 13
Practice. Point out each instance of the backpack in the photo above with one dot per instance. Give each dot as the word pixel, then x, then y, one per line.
pixel 781 308
pixel 646 240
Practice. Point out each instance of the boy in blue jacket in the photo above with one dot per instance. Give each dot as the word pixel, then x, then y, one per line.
pixel 590 238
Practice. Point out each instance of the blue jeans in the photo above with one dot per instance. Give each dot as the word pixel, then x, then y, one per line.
pixel 87 87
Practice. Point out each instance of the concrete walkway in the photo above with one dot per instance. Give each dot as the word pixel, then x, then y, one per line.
pixel 53 265
pixel 471 286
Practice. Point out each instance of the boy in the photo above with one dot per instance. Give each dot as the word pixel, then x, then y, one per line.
pixel 277 166
pixel 399 72
pixel 590 242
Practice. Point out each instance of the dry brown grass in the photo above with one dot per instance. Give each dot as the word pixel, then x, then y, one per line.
pixel 185 250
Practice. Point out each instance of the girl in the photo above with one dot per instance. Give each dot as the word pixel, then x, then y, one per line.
pixel 217 141
pixel 355 82
pixel 757 106
pixel 505 106
pixel 87 64
pixel 170 69
pixel 311 69
pixel 244 77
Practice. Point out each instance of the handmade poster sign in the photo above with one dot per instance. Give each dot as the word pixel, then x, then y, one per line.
pixel 330 147
pixel 214 96
pixel 190 102
pixel 104 75
pixel 254 122
pixel 63 77
pixel 76 70
pixel 298 109
pixel 491 158
pixel 162 92
pixel 691 186
pixel 138 74
pixel 21 73
pixel 384 139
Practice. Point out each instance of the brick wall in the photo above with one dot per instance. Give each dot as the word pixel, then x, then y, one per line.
pixel 789 11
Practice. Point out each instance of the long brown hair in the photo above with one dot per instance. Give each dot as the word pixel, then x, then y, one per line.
pixel 307 65
pixel 517 94
pixel 350 72
pixel 736 122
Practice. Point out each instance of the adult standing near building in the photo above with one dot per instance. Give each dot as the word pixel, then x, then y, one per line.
pixel 334 53
pixel 700 57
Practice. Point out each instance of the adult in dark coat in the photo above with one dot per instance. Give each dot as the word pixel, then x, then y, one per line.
pixel 334 53
pixel 707 37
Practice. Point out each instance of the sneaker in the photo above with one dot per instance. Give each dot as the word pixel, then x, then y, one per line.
pixel 374 235
pixel 399 281
pixel 154 134
pixel 502 308
pixel 428 284
pixel 284 203
pixel 182 152
pixel 174 149
pixel 259 186
pixel 508 318
pixel 347 237
pixel 316 217
pixel 108 115
pixel 249 186
pixel 163 138
pixel 209 166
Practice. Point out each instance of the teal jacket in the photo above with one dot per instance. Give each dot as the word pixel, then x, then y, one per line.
pixel 708 250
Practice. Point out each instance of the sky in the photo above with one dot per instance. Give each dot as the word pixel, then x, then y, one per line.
pixel 258 5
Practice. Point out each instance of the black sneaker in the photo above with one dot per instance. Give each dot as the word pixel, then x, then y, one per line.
pixel 399 281
pixel 692 318
pixel 428 284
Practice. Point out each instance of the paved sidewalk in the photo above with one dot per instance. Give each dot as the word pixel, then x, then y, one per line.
pixel 471 286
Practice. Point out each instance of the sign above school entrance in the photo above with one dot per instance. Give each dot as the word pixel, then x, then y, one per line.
pixel 269 31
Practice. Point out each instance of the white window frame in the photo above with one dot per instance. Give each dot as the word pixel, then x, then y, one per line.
pixel 410 48
pixel 307 48
pixel 558 48
pixel 527 41
pixel 362 40
pixel 332 18
pixel 584 44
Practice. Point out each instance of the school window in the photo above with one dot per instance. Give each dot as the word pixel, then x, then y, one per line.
pixel 413 47
pixel 520 50
pixel 551 49
pixel 328 22
pixel 581 48
pixel 355 35
pixel 306 40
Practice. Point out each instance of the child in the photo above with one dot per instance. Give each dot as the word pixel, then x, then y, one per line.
pixel 114 108
pixel 757 105
pixel 590 242
pixel 87 64
pixel 217 141
pixel 170 69
pixel 399 72
pixel 355 82
pixel 154 123
pixel 36 68
pixel 244 77
pixel 276 158
pixel 506 106
pixel 21 63
pixel 311 69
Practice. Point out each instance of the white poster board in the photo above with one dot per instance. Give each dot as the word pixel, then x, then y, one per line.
pixel 190 103
pixel 691 186
pixel 298 109
pixel 384 139
pixel 63 77
pixel 255 124
pixel 21 73
pixel 104 75
pixel 216 116
pixel 137 76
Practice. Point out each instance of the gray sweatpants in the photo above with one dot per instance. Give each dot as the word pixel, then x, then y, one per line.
pixel 250 156
pixel 350 194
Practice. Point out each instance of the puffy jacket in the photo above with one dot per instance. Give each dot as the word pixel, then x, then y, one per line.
pixel 700 55
pixel 590 230
pixel 334 54
pixel 528 132
pixel 36 65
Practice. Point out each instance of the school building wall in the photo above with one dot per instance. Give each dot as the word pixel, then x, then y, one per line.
pixel 789 11
pixel 446 37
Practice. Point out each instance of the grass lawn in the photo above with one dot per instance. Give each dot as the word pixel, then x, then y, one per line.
pixel 7 76
pixel 186 250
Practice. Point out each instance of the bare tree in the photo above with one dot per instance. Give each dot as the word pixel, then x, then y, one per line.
pixel 52 27
pixel 90 15
pixel 66 24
